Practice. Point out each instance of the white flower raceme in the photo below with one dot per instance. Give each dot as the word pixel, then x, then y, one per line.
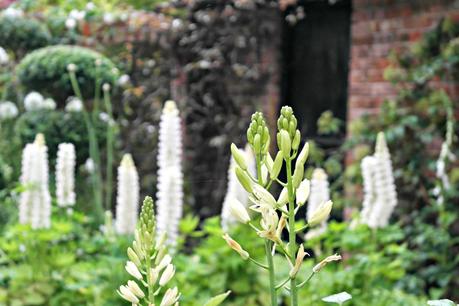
pixel 369 189
pixel 320 193
pixel 8 110
pixel 4 58
pixel 35 201
pixel 380 193
pixel 77 15
pixel 170 176
pixel 13 12
pixel 128 196
pixel 34 101
pixel 65 175
pixel 74 105
pixel 235 191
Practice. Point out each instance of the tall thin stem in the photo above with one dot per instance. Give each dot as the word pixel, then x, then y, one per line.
pixel 291 227
pixel 268 246
pixel 93 151
pixel 110 141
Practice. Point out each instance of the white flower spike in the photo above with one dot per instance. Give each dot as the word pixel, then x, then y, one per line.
pixel 35 201
pixel 127 197
pixel 65 175
pixel 170 176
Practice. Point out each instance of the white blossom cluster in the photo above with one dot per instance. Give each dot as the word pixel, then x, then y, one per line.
pixel 65 175
pixel 319 193
pixel 35 201
pixel 170 176
pixel 127 200
pixel 235 189
pixel 4 57
pixel 380 195
pixel 8 110
pixel 35 101
pixel 74 105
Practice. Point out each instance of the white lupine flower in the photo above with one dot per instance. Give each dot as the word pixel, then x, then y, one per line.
pixel 368 166
pixel 170 297
pixel 35 201
pixel 34 101
pixel 74 105
pixel 4 58
pixel 235 189
pixel 109 18
pixel 128 196
pixel 65 175
pixel 90 6
pixel 13 12
pixel 170 176
pixel 319 193
pixel 380 193
pixel 77 15
pixel 70 23
pixel 8 110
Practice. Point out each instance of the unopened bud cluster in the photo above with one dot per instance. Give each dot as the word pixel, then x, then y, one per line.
pixel 149 264
pixel 276 214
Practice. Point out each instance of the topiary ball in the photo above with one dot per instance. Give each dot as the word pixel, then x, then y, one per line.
pixel 45 70
pixel 22 34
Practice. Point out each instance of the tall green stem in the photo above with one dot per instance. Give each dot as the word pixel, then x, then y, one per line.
pixel 110 141
pixel 93 152
pixel 268 246
pixel 291 227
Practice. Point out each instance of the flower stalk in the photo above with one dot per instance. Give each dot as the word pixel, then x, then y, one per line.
pixel 276 215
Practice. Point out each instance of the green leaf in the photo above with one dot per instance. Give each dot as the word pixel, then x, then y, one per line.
pixel 217 300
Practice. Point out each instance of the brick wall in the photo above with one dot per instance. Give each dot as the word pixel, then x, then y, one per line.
pixel 379 26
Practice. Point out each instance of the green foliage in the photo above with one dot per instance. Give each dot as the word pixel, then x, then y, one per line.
pixel 58 127
pixel 213 267
pixel 415 124
pixel 67 264
pixel 23 34
pixel 45 70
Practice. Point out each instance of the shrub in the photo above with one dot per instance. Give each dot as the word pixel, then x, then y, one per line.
pixel 21 34
pixel 45 70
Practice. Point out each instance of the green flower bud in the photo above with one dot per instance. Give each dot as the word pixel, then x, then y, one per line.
pixel 303 156
pixel 238 157
pixel 277 166
pixel 133 257
pixel 258 134
pixel 269 162
pixel 298 175
pixel 257 143
pixel 244 179
pixel 285 144
pixel 296 140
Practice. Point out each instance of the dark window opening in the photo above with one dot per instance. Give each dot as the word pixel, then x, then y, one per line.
pixel 315 65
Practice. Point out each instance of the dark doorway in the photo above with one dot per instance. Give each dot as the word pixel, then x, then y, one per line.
pixel 315 63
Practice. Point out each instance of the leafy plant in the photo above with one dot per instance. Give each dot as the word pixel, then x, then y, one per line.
pixel 23 34
pixel 45 70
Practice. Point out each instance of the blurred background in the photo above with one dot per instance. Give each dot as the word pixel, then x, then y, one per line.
pixel 348 68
